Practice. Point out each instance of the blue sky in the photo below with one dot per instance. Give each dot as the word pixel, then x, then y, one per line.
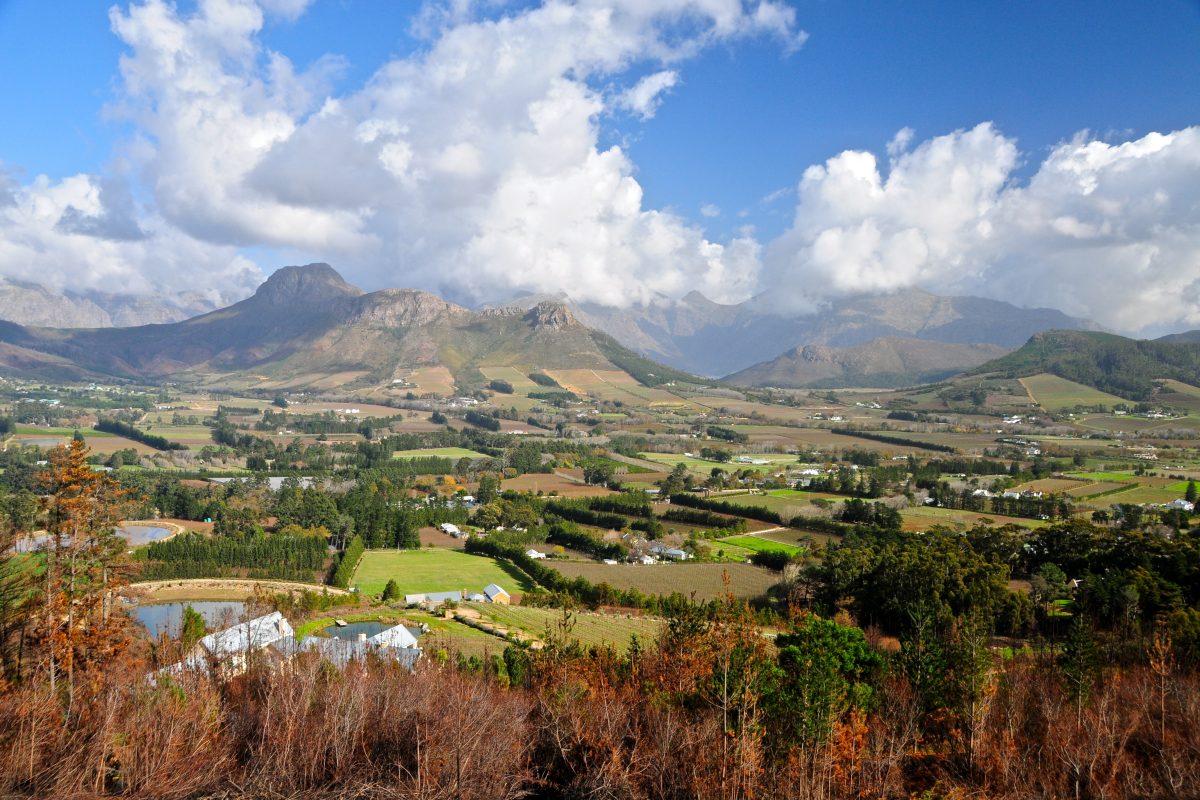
pixel 747 115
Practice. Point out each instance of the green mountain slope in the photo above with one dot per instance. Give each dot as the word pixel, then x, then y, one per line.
pixel 1114 364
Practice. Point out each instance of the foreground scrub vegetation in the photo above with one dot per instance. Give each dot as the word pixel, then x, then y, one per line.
pixel 712 709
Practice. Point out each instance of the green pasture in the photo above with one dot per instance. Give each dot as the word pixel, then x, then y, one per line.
pixel 434 570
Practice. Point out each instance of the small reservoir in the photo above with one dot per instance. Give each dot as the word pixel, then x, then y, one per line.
pixel 159 617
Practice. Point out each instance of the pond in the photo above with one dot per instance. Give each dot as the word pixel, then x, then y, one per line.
pixel 42 442
pixel 159 617
pixel 137 535
pixel 134 536
pixel 352 630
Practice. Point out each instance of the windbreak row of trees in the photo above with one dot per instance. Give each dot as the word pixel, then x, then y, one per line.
pixel 115 426
pixel 279 556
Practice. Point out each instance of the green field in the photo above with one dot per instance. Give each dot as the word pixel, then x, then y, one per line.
pixel 434 570
pixel 588 628
pixel 440 452
pixel 1054 393
pixel 1101 477
pixel 760 545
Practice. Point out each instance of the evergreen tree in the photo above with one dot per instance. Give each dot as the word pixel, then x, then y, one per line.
pixel 1079 661
pixel 192 628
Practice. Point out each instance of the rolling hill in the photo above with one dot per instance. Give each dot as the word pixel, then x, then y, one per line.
pixel 306 327
pixel 1114 364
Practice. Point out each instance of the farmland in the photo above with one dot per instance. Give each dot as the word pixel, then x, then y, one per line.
pixel 1054 393
pixel 434 570
pixel 440 452
pixel 542 483
pixel 586 627
pixel 706 581
pixel 919 518
pixel 759 544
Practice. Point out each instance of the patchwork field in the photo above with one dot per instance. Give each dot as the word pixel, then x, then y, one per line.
pixel 614 385
pixel 518 378
pixel 434 570
pixel 705 580
pixel 1055 393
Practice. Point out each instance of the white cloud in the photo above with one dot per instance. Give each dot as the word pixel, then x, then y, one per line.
pixel 710 210
pixel 1107 231
pixel 644 97
pixel 472 167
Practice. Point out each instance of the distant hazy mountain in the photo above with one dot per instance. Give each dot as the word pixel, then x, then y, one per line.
pixel 1192 337
pixel 710 338
pixel 30 304
pixel 1110 363
pixel 882 362
pixel 305 326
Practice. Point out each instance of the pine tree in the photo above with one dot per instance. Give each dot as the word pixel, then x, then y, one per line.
pixel 192 628
pixel 75 626
pixel 1079 662
pixel 1191 494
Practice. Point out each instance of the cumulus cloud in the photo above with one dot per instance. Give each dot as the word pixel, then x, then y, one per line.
pixel 1107 231
pixel 644 97
pixel 62 234
pixel 475 167
pixel 472 167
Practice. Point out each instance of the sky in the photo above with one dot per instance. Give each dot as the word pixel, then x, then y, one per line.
pixel 620 151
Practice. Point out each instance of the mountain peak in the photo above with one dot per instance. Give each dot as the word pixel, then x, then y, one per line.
pixel 311 283
pixel 550 314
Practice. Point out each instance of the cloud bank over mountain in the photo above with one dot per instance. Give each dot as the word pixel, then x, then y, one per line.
pixel 1104 230
pixel 475 167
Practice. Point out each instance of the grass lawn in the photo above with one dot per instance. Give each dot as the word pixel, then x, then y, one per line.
pixel 434 570
pixel 440 452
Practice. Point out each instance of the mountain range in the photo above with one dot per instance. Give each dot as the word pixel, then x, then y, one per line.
pixel 882 340
pixel 32 304
pixel 308 326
